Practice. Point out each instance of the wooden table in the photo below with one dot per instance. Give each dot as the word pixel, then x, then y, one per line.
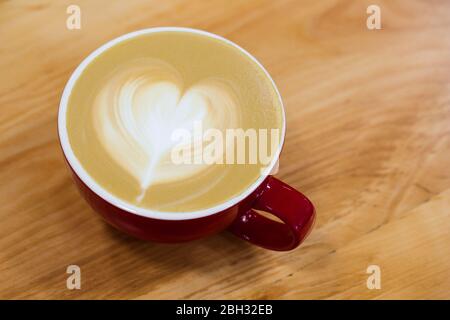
pixel 368 141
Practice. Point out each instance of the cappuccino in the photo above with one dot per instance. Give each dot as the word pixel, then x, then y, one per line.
pixel 128 107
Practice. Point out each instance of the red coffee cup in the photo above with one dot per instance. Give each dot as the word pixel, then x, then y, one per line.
pixel 237 214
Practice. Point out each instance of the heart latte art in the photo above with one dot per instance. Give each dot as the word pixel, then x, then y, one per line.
pixel 143 103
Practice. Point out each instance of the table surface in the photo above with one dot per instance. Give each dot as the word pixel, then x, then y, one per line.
pixel 368 141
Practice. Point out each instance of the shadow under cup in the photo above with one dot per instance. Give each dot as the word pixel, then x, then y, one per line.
pixel 263 192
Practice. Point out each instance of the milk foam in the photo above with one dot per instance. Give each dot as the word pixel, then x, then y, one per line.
pixel 139 107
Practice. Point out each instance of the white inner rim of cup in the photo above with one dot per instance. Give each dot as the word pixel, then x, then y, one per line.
pixel 96 188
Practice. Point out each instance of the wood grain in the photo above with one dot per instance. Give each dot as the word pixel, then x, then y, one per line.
pixel 368 141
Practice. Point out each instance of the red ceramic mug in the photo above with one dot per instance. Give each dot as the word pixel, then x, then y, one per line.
pixel 237 214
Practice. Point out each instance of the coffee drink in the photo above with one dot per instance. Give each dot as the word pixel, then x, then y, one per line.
pixel 148 99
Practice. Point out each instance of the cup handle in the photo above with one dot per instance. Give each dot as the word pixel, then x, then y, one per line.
pixel 284 202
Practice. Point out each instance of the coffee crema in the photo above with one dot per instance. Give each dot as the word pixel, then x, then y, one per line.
pixel 128 102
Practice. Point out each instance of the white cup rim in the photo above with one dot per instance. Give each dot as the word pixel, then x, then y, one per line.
pixel 114 200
